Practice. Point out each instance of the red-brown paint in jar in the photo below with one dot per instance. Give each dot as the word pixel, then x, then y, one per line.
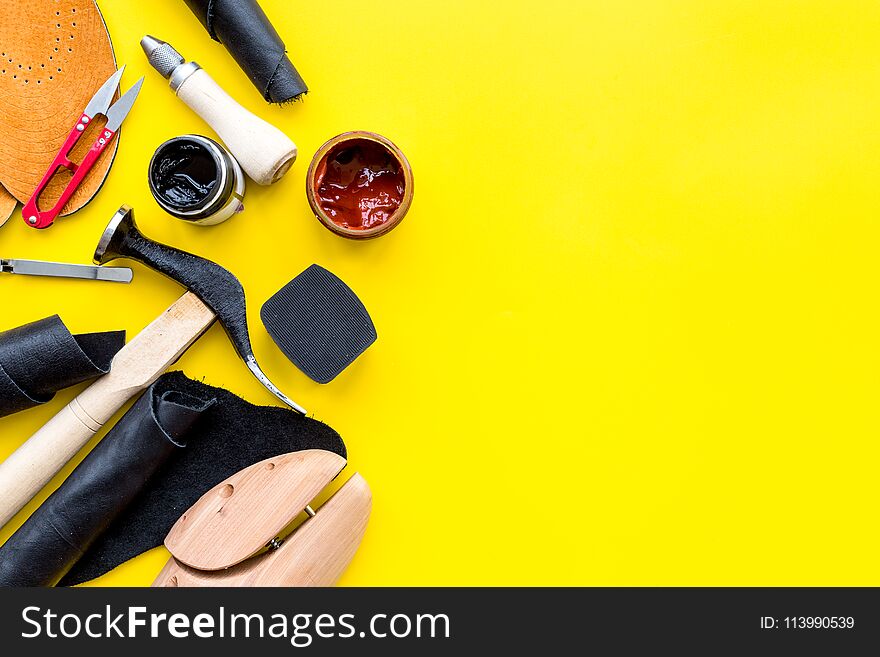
pixel 359 185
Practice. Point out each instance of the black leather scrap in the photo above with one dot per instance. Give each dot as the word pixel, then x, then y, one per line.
pixel 41 358
pixel 244 29
pixel 63 528
pixel 180 439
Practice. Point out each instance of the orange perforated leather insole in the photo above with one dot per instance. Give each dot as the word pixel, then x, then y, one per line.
pixel 54 55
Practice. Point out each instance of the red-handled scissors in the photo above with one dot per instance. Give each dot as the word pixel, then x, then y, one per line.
pixel 98 105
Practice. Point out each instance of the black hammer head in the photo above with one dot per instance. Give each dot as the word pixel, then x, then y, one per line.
pixel 217 287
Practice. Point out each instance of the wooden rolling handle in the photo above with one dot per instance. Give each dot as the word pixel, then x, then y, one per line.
pixel 137 365
pixel 263 151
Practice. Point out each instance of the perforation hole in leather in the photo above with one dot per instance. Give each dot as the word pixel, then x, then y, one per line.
pixel 66 25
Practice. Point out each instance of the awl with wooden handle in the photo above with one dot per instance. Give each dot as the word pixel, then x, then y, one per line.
pixel 264 152
pixel 137 365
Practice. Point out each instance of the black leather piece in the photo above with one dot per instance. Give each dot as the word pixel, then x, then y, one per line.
pixel 153 465
pixel 66 524
pixel 246 32
pixel 41 358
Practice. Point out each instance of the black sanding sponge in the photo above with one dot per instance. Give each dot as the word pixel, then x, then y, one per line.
pixel 319 323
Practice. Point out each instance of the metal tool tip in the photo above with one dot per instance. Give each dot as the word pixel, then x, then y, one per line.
pixel 149 44
pixel 162 55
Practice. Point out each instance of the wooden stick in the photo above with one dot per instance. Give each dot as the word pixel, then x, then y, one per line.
pixel 137 365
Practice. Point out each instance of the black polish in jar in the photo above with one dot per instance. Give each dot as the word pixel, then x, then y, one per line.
pixel 195 179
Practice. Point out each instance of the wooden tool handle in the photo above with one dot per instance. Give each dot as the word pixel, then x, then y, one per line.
pixel 137 365
pixel 264 152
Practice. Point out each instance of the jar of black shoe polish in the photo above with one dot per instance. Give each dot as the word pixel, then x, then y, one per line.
pixel 195 179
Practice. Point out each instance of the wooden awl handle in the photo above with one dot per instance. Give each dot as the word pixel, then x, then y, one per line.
pixel 263 151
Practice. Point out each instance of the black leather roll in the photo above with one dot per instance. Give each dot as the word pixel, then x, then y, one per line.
pixel 63 528
pixel 244 29
pixel 41 358
pixel 181 438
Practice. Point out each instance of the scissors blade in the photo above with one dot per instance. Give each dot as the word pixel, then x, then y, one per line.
pixel 64 270
pixel 104 96
pixel 116 114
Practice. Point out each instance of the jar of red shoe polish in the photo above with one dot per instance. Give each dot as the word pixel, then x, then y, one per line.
pixel 359 185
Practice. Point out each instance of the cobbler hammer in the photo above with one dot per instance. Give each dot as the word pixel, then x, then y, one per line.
pixel 213 293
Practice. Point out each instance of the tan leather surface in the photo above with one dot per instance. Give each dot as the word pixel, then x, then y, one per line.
pixel 7 205
pixel 54 55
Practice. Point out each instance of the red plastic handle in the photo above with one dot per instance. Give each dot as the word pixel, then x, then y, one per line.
pixel 32 215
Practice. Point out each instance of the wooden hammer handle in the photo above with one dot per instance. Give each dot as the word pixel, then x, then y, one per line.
pixel 137 365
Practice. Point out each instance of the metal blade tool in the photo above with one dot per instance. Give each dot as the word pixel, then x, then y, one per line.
pixel 65 270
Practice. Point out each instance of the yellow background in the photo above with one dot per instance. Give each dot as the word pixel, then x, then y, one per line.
pixel 627 332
